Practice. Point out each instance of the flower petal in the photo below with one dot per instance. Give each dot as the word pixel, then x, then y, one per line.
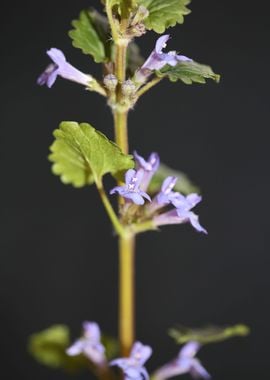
pixel 161 43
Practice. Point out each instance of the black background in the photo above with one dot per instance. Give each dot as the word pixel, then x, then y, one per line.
pixel 58 256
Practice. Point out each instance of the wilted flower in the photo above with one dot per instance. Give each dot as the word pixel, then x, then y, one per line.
pixel 149 167
pixel 61 67
pixel 184 363
pixel 133 366
pixel 89 345
pixel 131 190
pixel 158 59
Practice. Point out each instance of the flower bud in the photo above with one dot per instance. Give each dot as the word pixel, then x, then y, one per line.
pixel 128 88
pixel 110 81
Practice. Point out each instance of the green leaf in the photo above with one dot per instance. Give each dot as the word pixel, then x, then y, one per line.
pixel 189 72
pixel 81 155
pixel 111 345
pixel 164 13
pixel 208 334
pixel 183 185
pixel 49 346
pixel 91 35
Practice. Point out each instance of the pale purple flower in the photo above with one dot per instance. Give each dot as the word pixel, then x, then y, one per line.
pixel 61 67
pixel 133 366
pixel 89 344
pixel 149 167
pixel 158 59
pixel 166 195
pixel 186 362
pixel 131 190
pixel 183 205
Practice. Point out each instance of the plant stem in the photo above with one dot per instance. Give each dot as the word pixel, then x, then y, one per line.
pixel 126 292
pixel 148 85
pixel 127 241
pixel 120 130
pixel 114 219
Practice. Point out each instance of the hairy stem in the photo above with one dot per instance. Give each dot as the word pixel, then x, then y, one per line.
pixel 126 292
pixel 110 211
pixel 126 242
pixel 148 85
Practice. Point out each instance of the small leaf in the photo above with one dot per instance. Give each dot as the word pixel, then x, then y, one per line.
pixel 91 35
pixel 49 346
pixel 208 334
pixel 183 185
pixel 81 155
pixel 134 58
pixel 164 13
pixel 189 72
pixel 111 345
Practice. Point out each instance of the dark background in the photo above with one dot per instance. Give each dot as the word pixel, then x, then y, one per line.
pixel 58 256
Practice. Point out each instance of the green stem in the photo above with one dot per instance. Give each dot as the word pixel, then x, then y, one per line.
pixel 126 292
pixel 110 211
pixel 126 243
pixel 148 85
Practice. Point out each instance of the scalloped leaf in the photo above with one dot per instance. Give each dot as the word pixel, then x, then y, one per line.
pixel 164 13
pixel 49 346
pixel 208 334
pixel 184 185
pixel 189 72
pixel 81 155
pixel 90 33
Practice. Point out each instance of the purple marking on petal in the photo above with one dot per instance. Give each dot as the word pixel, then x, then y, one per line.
pixel 131 190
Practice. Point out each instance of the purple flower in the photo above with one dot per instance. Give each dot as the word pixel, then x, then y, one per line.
pixel 166 195
pixel 131 190
pixel 133 366
pixel 184 363
pixel 89 345
pixel 183 205
pixel 62 68
pixel 158 59
pixel 149 167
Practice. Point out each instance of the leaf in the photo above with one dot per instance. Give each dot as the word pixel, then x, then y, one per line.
pixel 111 345
pixel 49 346
pixel 183 185
pixel 208 334
pixel 188 72
pixel 134 58
pixel 91 35
pixel 164 13
pixel 81 155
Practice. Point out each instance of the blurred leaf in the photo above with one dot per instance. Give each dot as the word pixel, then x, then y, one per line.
pixel 208 334
pixel 134 58
pixel 164 13
pixel 49 346
pixel 188 72
pixel 183 185
pixel 111 345
pixel 91 35
pixel 81 155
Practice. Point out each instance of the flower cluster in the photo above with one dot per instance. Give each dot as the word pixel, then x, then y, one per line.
pixel 136 185
pixel 133 366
